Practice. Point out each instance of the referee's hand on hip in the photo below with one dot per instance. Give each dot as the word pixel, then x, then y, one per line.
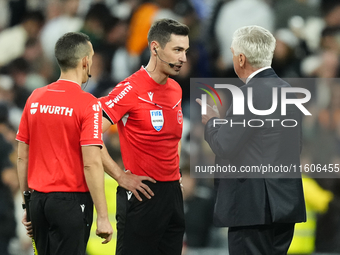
pixel 133 183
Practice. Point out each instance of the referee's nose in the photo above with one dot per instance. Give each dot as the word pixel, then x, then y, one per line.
pixel 183 57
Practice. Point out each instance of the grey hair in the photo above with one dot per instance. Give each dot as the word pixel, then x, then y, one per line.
pixel 256 43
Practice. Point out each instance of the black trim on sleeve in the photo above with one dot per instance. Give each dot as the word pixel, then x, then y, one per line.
pixel 107 117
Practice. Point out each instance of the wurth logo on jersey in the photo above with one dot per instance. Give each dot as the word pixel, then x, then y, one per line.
pixel 59 110
pixel 96 107
pixel 112 102
pixel 121 84
pixel 96 127
pixel 34 108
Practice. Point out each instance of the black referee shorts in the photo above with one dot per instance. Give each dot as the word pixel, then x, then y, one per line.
pixel 154 226
pixel 61 222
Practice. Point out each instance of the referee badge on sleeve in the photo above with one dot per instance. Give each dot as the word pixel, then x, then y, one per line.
pixel 157 119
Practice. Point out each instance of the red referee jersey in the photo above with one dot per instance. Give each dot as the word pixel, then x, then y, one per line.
pixel 57 120
pixel 149 118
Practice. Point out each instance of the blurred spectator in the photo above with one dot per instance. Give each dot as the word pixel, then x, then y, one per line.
pixel 94 24
pixel 203 8
pixel 233 15
pixel 140 24
pixel 19 70
pixel 330 39
pixel 67 21
pixel 328 224
pixel 100 80
pixel 198 210
pixel 4 14
pixel 123 9
pixel 18 9
pixel 323 65
pixel 142 19
pixel 329 117
pixel 186 11
pixel 115 36
pixel 40 69
pixel 116 57
pixel 13 40
pixel 21 244
pixel 331 12
pixel 167 10
pixel 7 220
pixel 285 61
pixel 285 9
pixel 53 9
pixel 7 98
pixel 317 202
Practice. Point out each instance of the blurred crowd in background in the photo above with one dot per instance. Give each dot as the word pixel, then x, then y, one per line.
pixel 308 46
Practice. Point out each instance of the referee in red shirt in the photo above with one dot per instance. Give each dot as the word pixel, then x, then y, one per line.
pixel 147 109
pixel 59 156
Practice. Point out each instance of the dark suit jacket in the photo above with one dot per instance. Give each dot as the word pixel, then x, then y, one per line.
pixel 244 201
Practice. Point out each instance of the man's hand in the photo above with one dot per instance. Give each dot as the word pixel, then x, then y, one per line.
pixel 211 112
pixel 104 229
pixel 133 183
pixel 181 184
pixel 28 225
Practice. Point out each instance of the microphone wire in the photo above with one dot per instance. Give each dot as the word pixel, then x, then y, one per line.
pixel 89 76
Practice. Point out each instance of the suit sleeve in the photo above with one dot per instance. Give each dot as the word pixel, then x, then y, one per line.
pixel 227 140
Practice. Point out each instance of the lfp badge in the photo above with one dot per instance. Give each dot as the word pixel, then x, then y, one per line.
pixel 157 119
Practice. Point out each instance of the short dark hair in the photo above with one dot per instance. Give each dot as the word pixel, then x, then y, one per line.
pixel 162 29
pixel 36 16
pixel 70 48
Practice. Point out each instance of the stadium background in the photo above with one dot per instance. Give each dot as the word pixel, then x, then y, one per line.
pixel 308 46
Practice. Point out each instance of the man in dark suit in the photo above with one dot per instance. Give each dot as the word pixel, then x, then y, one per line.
pixel 260 212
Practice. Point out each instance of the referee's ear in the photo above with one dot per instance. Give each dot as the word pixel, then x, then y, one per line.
pixel 84 62
pixel 153 48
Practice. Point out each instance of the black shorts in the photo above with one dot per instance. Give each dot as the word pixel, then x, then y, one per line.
pixel 154 226
pixel 61 222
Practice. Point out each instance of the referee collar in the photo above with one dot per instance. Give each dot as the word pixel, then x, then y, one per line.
pixel 68 81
